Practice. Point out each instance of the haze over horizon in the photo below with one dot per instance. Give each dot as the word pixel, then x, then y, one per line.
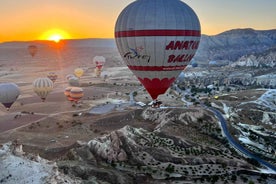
pixel 68 19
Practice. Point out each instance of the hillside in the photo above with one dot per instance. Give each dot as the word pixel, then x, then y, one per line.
pixel 231 45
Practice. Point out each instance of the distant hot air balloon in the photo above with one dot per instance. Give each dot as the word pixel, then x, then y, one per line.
pixel 67 93
pixel 9 92
pixel 52 76
pixel 76 94
pixel 78 72
pixel 42 87
pixel 69 76
pixel 157 39
pixel 32 50
pixel 74 81
pixel 99 61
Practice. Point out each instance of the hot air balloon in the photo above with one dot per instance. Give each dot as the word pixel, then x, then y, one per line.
pixel 67 93
pixel 99 62
pixel 78 72
pixel 42 87
pixel 69 76
pixel 157 39
pixel 32 50
pixel 76 93
pixel 9 92
pixel 52 76
pixel 74 81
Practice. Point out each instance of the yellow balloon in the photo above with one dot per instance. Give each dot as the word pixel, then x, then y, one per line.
pixel 78 72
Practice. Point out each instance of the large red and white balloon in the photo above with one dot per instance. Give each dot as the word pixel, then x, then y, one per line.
pixel 157 39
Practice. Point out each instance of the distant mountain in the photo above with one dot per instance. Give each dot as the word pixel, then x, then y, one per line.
pixel 233 44
pixel 90 42
pixel 93 42
pixel 224 47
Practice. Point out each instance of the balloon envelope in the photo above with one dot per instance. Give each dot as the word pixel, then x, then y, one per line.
pixel 99 61
pixel 32 50
pixel 69 76
pixel 74 81
pixel 76 93
pixel 52 76
pixel 9 92
pixel 67 91
pixel 42 87
pixel 78 72
pixel 157 39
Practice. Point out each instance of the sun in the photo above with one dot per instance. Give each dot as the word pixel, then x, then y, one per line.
pixel 55 35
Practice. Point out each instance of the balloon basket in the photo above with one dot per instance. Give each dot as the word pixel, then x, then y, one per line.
pixel 156 104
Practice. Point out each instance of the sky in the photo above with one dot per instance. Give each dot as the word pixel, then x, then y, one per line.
pixel 24 20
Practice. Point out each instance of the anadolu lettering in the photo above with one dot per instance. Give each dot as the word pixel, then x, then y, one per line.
pixel 182 45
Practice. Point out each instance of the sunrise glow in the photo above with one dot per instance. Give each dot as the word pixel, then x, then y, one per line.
pixel 55 38
pixel 55 35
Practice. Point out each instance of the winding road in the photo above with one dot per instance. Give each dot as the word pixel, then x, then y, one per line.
pixel 235 144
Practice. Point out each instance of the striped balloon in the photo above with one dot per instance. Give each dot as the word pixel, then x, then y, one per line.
pixel 52 76
pixel 67 91
pixel 42 87
pixel 76 93
pixel 157 39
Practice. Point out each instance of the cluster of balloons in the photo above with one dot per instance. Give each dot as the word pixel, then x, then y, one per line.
pixel 74 79
pixel 9 92
pixel 156 39
pixel 74 93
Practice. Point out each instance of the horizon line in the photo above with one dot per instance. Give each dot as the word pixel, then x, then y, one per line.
pixel 113 38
